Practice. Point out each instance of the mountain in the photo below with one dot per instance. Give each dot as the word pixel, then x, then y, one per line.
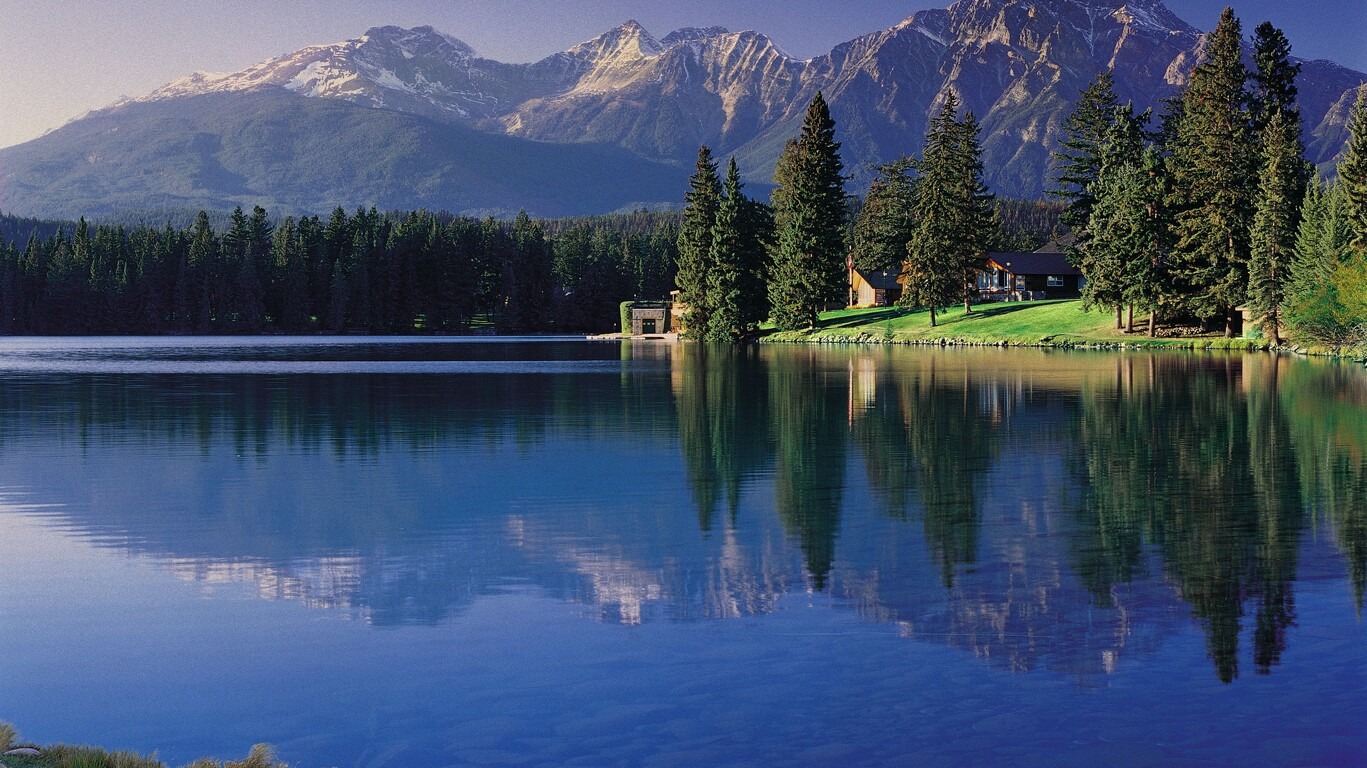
pixel 618 119
pixel 269 147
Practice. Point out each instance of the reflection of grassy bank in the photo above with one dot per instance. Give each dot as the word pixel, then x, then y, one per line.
pixel 1038 323
pixel 63 756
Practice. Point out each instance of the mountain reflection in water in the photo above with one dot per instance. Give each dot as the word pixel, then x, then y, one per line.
pixel 1037 509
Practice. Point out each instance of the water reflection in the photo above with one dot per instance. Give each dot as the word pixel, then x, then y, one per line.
pixel 1036 509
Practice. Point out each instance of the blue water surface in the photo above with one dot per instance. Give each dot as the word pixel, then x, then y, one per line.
pixel 386 552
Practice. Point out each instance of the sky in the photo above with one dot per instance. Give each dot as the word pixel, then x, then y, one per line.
pixel 62 58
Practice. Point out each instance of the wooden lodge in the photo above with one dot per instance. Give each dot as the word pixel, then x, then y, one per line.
pixel 870 288
pixel 1043 274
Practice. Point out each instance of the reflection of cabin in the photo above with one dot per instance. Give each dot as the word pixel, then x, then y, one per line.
pixel 650 317
pixel 875 288
pixel 1043 274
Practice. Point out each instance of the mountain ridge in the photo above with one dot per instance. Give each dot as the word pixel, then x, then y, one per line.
pixel 1017 64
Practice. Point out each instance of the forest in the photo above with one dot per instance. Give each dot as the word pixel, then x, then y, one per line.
pixel 360 272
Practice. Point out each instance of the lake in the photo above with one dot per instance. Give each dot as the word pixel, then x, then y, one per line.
pixel 399 552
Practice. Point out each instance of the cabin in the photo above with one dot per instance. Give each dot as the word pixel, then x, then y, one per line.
pixel 875 288
pixel 1043 274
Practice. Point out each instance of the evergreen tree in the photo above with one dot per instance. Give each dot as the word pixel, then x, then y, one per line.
pixel 701 204
pixel 953 214
pixel 976 219
pixel 757 227
pixel 1147 283
pixel 809 219
pixel 1116 224
pixel 884 224
pixel 735 263
pixel 1352 172
pixel 1078 163
pixel 1276 221
pixel 1213 165
pixel 1274 79
pixel 287 252
pixel 202 276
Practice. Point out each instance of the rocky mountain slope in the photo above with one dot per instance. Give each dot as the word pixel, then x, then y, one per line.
pixel 1018 64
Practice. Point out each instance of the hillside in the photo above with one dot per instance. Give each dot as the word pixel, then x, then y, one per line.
pixel 268 147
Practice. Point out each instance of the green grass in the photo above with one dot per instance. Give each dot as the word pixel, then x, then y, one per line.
pixel 64 756
pixel 1060 323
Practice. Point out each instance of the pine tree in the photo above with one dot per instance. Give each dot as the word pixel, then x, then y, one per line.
pixel 1213 167
pixel 736 264
pixel 977 216
pixel 701 203
pixel 932 276
pixel 1105 256
pixel 1313 308
pixel 202 276
pixel 1275 223
pixel 726 262
pixel 1146 277
pixel 1078 163
pixel 884 224
pixel 809 221
pixel 1274 79
pixel 757 227
pixel 1352 172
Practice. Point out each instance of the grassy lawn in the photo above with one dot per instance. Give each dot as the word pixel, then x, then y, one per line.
pixel 1059 322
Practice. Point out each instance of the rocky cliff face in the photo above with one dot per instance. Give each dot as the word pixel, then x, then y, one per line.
pixel 1017 64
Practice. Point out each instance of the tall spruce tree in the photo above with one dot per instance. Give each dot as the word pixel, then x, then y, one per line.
pixel 1274 79
pixel 1352 172
pixel 884 224
pixel 1312 307
pixel 1078 162
pixel 728 262
pixel 977 213
pixel 1276 221
pixel 1146 285
pixel 1105 256
pixel 809 221
pixel 1214 166
pixel 933 276
pixel 701 203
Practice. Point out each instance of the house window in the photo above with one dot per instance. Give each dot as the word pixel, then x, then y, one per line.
pixel 1020 282
pixel 1055 281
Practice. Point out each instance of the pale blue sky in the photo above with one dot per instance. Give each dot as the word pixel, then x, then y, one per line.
pixel 60 58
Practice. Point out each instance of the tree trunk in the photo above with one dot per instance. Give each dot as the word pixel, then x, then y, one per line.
pixel 1129 319
pixel 1119 321
pixel 1153 317
pixel 1229 322
pixel 932 317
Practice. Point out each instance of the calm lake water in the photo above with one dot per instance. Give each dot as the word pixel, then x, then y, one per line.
pixel 510 552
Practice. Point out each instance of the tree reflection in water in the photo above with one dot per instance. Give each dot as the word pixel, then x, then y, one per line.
pixel 1034 508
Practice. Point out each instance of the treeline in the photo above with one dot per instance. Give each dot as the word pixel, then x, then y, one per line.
pixel 365 272
pixel 1216 210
